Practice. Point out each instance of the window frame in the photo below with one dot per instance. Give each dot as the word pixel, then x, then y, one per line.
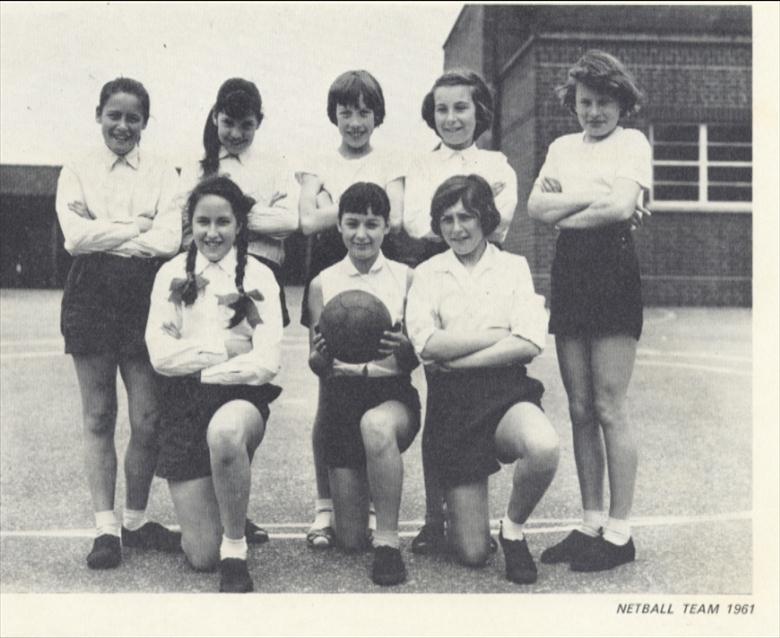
pixel 702 163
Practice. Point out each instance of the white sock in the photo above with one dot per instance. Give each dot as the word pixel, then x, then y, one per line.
pixel 233 548
pixel 133 519
pixel 371 517
pixel 106 523
pixel 324 513
pixel 388 538
pixel 592 522
pixel 510 530
pixel 617 531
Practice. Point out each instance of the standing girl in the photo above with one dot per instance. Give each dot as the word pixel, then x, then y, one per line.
pixel 356 106
pixel 215 329
pixel 370 413
pixel 475 320
pixel 229 149
pixel 459 108
pixel 116 206
pixel 589 187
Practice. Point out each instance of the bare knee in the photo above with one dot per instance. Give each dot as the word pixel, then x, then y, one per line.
pixel 100 422
pixel 543 453
pixel 202 557
pixel 581 412
pixel 377 433
pixel 225 439
pixel 472 555
pixel 610 412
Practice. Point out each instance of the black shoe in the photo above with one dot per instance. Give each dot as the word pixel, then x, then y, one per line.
pixel 234 576
pixel 152 536
pixel 106 552
pixel 520 567
pixel 568 549
pixel 255 535
pixel 388 567
pixel 603 555
pixel 430 540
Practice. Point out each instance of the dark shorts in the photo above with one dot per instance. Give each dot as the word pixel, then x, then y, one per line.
pixel 106 303
pixel 344 402
pixel 595 285
pixel 276 269
pixel 463 410
pixel 187 406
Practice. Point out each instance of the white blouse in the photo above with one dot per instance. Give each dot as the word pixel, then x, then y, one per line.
pixel 339 173
pixel 497 293
pixel 259 175
pixel 116 190
pixel 386 280
pixel 594 166
pixel 427 172
pixel 203 325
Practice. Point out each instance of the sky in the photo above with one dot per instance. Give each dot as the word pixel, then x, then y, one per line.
pixel 54 58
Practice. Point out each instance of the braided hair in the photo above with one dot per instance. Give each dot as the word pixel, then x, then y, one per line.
pixel 236 98
pixel 227 189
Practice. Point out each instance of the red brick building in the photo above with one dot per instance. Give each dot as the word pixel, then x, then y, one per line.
pixel 694 65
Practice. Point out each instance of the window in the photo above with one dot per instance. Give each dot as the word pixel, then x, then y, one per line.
pixel 702 166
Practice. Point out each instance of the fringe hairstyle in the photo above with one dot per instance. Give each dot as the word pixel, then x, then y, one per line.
pixel 236 98
pixel 241 204
pixel 477 198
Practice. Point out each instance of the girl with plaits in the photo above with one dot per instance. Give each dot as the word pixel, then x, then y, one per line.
pixel 214 331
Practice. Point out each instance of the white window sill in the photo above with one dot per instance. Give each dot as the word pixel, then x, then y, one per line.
pixel 701 207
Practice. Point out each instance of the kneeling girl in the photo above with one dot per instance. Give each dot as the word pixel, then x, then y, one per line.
pixel 215 331
pixel 475 320
pixel 370 412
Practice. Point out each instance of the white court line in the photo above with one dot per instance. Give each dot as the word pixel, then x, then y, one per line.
pixel 694 366
pixel 534 526
pixel 12 356
pixel 690 354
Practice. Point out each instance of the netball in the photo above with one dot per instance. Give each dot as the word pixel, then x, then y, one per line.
pixel 353 323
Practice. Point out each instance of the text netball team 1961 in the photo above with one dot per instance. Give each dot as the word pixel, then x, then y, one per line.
pixel 176 282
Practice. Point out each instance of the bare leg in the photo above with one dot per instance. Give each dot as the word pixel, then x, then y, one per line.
pixel 318 445
pixel 350 504
pixel 575 366
pixel 525 434
pixel 612 363
pixel 97 382
pixel 235 428
pixel 434 496
pixel 141 456
pixel 468 522
pixel 198 514
pixel 387 430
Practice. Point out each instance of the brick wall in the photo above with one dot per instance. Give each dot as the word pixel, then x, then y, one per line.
pixel 686 258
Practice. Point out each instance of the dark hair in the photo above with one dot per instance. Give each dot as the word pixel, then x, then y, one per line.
pixel 604 73
pixel 477 198
pixel 365 197
pixel 480 94
pixel 124 85
pixel 241 205
pixel 347 89
pixel 236 98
